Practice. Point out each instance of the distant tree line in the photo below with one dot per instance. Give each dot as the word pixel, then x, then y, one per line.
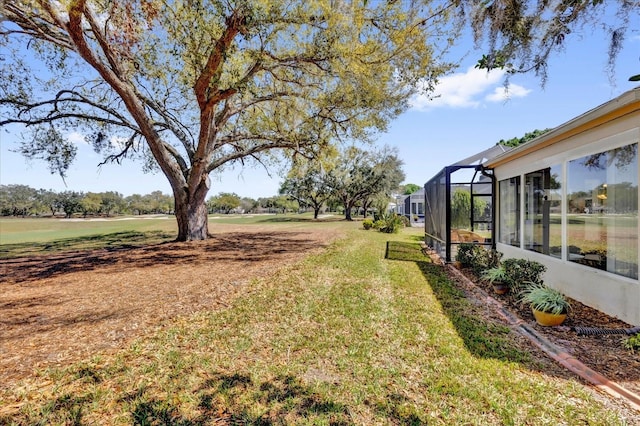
pixel 353 181
pixel 232 203
pixel 22 200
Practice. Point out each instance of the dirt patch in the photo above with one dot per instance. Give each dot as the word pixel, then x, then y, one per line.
pixel 69 306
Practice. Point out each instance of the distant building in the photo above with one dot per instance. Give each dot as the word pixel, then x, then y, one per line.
pixel 411 206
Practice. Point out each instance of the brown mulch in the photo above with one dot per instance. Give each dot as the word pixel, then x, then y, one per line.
pixel 69 306
pixel 604 353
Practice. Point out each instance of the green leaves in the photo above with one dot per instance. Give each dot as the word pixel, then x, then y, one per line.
pixel 209 83
pixel 521 36
pixel 50 145
pixel 545 299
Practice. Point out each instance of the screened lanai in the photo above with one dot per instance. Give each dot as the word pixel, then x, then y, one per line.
pixel 459 205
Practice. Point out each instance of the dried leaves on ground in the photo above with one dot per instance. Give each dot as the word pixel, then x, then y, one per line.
pixel 69 306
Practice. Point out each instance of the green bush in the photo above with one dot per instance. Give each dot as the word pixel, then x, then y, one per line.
pixel 467 254
pixel 632 343
pixel 521 271
pixel 485 259
pixel 392 223
pixel 367 224
pixel 475 256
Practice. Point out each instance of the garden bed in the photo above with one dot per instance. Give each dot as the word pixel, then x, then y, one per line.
pixel 604 354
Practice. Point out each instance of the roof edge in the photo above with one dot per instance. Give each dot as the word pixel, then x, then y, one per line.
pixel 626 103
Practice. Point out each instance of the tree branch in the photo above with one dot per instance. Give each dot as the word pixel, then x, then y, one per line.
pixel 39 28
pixel 213 68
pixel 54 104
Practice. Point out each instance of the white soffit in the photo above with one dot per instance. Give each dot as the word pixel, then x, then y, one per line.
pixel 626 103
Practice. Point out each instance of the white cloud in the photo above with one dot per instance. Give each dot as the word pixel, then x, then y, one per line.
pixel 76 138
pixel 502 94
pixel 467 90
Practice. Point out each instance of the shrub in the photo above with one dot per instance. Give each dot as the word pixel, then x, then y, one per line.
pixel 477 257
pixel 379 224
pixel 470 255
pixel 520 271
pixel 485 259
pixel 405 220
pixel 367 224
pixel 466 254
pixel 632 343
pixel 392 223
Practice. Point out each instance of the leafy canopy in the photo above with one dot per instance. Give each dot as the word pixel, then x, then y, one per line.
pixel 200 84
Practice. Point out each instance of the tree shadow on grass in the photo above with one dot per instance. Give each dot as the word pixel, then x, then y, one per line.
pixel 119 251
pixel 483 338
pixel 112 241
pixel 221 399
pixel 235 397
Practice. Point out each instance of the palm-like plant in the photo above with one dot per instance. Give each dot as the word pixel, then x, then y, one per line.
pixel 545 299
pixel 493 275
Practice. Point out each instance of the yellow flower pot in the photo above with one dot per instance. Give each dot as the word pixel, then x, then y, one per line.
pixel 548 319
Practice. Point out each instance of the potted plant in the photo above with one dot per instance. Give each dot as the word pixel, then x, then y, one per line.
pixel 496 276
pixel 549 306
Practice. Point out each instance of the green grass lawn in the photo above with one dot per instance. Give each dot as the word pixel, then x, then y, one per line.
pixel 367 332
pixel 43 236
pixel 29 230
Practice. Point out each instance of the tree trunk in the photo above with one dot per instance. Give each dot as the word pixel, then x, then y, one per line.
pixel 192 221
pixel 347 211
pixel 365 207
pixel 191 213
pixel 316 211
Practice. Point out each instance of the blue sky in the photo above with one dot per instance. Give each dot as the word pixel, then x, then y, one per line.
pixel 470 115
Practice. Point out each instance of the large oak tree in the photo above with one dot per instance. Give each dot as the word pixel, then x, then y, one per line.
pixel 307 184
pixel 191 86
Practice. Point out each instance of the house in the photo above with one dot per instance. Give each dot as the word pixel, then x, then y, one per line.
pixel 569 200
pixel 411 206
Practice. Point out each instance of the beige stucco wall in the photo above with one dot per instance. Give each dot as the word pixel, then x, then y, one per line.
pixel 613 294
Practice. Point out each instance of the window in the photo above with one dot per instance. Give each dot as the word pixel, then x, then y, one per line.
pixel 602 210
pixel 509 205
pixel 543 216
pixel 417 208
